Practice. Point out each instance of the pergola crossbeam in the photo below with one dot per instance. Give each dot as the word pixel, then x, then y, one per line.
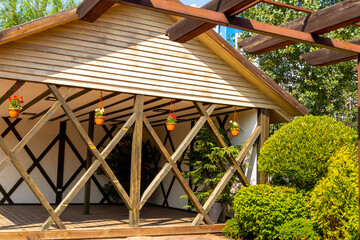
pixel 323 21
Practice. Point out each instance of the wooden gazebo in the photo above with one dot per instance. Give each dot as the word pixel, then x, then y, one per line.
pixel 125 53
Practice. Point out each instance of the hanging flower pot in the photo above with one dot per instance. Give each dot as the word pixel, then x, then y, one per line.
pixel 100 112
pixel 171 120
pixel 15 107
pixel 99 120
pixel 234 126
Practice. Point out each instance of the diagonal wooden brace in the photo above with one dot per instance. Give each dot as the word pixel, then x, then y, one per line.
pixel 175 156
pixel 228 175
pixel 53 216
pixel 100 158
pixel 177 173
pixel 35 129
pixel 221 141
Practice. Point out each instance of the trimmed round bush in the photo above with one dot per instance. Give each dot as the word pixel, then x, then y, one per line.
pixel 261 209
pixel 334 201
pixel 298 154
pixel 298 228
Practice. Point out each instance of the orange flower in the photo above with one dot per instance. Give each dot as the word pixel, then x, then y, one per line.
pixel 15 97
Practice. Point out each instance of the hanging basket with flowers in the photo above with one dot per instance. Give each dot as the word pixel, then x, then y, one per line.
pixel 171 120
pixel 234 125
pixel 15 107
pixel 100 113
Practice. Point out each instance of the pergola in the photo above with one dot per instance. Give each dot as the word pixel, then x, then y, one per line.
pixel 196 21
pixel 307 29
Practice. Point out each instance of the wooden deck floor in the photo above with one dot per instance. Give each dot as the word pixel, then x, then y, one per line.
pixel 31 217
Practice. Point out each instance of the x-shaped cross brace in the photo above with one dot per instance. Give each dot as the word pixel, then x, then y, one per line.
pixel 11 155
pixel 99 159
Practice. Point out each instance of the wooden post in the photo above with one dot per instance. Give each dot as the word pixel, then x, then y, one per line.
pixel 358 77
pixel 263 121
pixel 61 159
pixel 135 174
pixel 88 163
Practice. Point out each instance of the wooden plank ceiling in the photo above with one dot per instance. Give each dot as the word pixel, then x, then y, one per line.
pixel 118 106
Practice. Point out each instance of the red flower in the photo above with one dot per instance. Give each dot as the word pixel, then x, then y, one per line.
pixel 21 101
pixel 21 97
pixel 9 98
pixel 173 116
pixel 15 97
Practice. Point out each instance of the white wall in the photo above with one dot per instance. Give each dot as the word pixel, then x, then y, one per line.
pixel 247 121
pixel 9 176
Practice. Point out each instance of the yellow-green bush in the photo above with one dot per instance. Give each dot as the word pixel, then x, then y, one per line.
pixel 298 154
pixel 334 201
pixel 261 209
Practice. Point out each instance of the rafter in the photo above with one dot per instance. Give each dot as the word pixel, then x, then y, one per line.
pixel 325 20
pixel 324 57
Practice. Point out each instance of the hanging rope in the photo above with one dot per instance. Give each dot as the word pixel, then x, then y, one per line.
pixel 16 90
pixel 235 116
pixel 101 101
pixel 171 109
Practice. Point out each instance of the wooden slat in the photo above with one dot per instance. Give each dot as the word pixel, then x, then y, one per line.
pixel 187 29
pixel 177 173
pixel 107 233
pixel 228 174
pixel 135 168
pixel 175 157
pixel 325 20
pixel 98 162
pixel 222 143
pixel 324 57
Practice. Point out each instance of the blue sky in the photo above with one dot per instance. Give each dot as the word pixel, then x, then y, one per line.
pixel 198 2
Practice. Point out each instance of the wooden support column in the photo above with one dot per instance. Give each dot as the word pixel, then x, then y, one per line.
pixel 89 156
pixel 358 77
pixel 263 121
pixel 136 148
pixel 61 159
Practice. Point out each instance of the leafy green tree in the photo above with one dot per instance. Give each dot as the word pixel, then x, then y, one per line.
pixel 323 90
pixel 15 12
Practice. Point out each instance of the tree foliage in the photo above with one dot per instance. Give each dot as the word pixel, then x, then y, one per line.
pixel 323 90
pixel 15 12
pixel 298 153
pixel 260 210
pixel 334 204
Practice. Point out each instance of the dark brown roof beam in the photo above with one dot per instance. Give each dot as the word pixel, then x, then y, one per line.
pixel 91 10
pixel 72 97
pixel 324 57
pixel 187 29
pixel 325 20
pixel 111 95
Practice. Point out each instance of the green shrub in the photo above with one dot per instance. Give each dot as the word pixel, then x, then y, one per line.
pixel 298 154
pixel 261 209
pixel 298 228
pixel 334 201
